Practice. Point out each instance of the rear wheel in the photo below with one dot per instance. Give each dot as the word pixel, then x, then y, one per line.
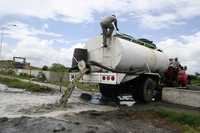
pixel 144 90
pixel 148 89
pixel 158 94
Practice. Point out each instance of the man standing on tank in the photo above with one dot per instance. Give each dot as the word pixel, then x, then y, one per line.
pixel 108 27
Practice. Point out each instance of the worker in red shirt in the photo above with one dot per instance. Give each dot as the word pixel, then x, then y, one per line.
pixel 182 77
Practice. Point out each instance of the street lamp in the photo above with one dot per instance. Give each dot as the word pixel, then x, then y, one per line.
pixel 2 33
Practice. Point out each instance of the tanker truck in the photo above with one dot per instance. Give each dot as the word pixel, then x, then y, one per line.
pixel 126 66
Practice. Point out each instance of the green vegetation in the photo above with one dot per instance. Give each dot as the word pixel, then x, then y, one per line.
pixel 45 68
pixel 16 83
pixel 61 71
pixel 12 73
pixel 8 72
pixel 195 79
pixel 55 67
pixel 190 122
pixel 23 76
pixel 88 87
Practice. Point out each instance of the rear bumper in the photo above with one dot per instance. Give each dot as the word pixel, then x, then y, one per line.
pixel 104 78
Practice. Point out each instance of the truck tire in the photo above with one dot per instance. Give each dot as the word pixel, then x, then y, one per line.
pixel 158 95
pixel 147 90
pixel 143 92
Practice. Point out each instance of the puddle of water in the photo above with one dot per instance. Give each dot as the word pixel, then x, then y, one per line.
pixel 17 102
pixel 13 101
pixel 4 88
pixel 127 100
pixel 77 105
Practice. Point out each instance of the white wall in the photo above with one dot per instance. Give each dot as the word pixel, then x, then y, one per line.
pixel 181 96
pixel 51 76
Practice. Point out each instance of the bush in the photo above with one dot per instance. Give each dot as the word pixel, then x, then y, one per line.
pixel 45 68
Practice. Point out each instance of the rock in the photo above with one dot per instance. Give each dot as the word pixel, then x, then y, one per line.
pixel 3 119
pixel 77 123
pixel 91 131
pixel 59 128
pixel 86 96
pixel 95 113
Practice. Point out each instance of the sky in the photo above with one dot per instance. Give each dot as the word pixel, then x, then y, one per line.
pixel 47 31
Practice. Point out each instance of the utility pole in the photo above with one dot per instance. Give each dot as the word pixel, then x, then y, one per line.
pixel 2 35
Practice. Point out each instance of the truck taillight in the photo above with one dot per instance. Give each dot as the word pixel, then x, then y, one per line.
pixel 108 77
pixel 113 78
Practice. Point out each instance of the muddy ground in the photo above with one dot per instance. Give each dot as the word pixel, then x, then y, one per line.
pixel 120 121
pixel 23 112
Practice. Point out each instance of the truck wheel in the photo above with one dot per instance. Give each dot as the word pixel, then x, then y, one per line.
pixel 147 89
pixel 158 95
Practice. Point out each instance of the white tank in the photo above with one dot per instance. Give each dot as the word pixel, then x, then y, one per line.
pixel 123 55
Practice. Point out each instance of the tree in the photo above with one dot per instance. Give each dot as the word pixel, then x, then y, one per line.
pixel 60 70
pixel 197 74
pixel 45 68
pixel 56 67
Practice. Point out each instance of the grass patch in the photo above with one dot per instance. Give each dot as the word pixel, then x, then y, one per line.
pixel 16 83
pixel 196 82
pixel 190 122
pixel 88 87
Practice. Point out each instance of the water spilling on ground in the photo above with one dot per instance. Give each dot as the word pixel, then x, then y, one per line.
pixel 12 100
pixel 17 102
pixel 23 112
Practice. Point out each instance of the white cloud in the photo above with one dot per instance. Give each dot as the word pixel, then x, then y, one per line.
pixel 40 52
pixel 22 30
pixel 186 48
pixel 150 13
pixel 158 22
pixel 37 50
pixel 158 14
